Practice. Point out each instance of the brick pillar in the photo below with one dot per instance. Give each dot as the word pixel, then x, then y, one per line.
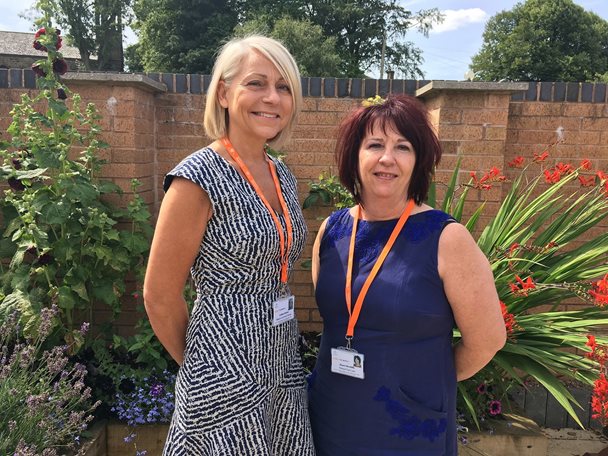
pixel 126 104
pixel 471 120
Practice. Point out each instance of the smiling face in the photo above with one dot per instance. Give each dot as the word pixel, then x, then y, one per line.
pixel 386 163
pixel 258 100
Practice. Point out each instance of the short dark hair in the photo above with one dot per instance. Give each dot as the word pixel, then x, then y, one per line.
pixel 410 118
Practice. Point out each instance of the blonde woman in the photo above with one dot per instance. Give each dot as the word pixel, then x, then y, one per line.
pixel 231 219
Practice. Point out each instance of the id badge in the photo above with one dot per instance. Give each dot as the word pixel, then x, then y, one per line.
pixel 283 310
pixel 347 362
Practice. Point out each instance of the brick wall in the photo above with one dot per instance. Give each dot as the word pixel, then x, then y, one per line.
pixel 153 121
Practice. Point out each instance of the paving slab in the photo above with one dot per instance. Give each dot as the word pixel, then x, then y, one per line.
pixel 575 442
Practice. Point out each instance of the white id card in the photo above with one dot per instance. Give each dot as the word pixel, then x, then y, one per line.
pixel 347 362
pixel 283 310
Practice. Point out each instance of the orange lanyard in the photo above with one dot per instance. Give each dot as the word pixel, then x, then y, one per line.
pixel 277 185
pixel 353 315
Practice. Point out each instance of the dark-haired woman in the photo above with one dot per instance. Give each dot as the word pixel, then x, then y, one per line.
pixel 393 277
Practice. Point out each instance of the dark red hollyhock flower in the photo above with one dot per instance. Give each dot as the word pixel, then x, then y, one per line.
pixel 16 163
pixel 15 184
pixel 60 66
pixel 38 71
pixel 61 94
pixel 44 259
pixel 32 250
pixel 39 47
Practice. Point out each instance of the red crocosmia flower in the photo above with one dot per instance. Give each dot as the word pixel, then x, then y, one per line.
pixel 564 168
pixel 517 162
pixel 540 157
pixel 599 400
pixel 495 408
pixel 599 291
pixel 39 33
pixel 522 287
pixel 602 176
pixel 587 181
pixel 586 164
pixel 509 318
pixel 591 342
pixel 552 176
pixel 513 248
pixel 60 66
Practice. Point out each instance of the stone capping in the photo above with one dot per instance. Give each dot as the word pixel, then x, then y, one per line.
pixel 122 79
pixel 434 87
pixel 197 84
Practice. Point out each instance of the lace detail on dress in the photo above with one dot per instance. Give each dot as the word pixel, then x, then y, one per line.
pixel 409 426
pixel 372 236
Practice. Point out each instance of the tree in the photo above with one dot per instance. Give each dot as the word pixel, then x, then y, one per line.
pixel 95 27
pixel 315 53
pixel 370 33
pixel 181 35
pixel 543 40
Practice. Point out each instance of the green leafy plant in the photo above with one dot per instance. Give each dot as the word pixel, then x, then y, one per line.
pixel 329 191
pixel 62 241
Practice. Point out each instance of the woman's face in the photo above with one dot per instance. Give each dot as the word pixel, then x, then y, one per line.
pixel 258 100
pixel 386 163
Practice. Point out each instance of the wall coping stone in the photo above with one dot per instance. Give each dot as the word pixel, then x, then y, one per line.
pixel 123 79
pixel 434 87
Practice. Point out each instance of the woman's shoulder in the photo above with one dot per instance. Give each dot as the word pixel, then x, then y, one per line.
pixel 199 167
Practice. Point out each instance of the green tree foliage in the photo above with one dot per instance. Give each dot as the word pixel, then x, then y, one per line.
pixel 315 53
pixel 95 27
pixel 361 27
pixel 181 35
pixel 543 40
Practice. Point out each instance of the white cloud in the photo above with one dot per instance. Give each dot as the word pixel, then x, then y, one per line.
pixel 456 19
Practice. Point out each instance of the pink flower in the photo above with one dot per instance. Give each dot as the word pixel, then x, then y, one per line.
pixel 495 408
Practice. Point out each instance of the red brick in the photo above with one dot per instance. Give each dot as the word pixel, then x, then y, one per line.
pixel 449 115
pixel 485 116
pixel 460 132
pixel 498 100
pixel 495 133
pixel 336 104
pixel 541 109
pixel 578 109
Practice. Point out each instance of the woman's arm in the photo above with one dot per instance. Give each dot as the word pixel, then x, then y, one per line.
pixel 181 224
pixel 315 253
pixel 469 287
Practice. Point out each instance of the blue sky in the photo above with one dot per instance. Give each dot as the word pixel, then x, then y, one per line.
pixel 447 52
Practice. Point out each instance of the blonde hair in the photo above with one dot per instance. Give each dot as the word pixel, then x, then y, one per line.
pixel 228 65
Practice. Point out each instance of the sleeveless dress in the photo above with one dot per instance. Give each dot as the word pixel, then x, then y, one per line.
pixel 241 389
pixel 406 405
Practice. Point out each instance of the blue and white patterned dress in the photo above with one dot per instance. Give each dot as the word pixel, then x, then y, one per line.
pixel 241 388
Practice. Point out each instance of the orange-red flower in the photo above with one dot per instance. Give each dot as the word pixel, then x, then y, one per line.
pixel 588 181
pixel 522 287
pixel 552 176
pixel 540 157
pixel 509 318
pixel 564 168
pixel 586 164
pixel 517 162
pixel 484 182
pixel 599 291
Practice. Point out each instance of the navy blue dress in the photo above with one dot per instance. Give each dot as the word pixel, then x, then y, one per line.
pixel 406 405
